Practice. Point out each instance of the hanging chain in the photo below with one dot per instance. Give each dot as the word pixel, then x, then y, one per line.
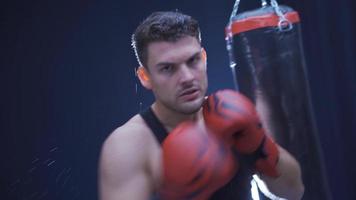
pixel 284 24
pixel 234 10
pixel 230 43
pixel 264 3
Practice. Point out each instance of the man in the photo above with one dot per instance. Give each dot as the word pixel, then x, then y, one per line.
pixel 173 66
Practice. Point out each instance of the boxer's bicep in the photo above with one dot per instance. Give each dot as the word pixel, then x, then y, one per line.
pixel 136 188
pixel 122 172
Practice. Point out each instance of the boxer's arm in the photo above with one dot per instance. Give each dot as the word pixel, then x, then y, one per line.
pixel 289 183
pixel 122 169
pixel 229 113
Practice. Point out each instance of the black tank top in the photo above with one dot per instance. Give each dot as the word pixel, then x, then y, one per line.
pixel 239 188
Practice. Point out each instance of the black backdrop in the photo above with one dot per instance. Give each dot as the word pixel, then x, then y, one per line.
pixel 67 80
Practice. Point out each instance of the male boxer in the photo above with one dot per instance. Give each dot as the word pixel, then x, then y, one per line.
pixel 203 156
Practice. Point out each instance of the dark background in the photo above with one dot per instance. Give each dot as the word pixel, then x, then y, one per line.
pixel 67 80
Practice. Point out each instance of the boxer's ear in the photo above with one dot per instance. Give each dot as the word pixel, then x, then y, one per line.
pixel 203 54
pixel 144 77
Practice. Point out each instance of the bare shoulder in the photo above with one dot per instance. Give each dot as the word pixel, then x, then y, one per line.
pixel 128 139
pixel 125 160
pixel 132 132
pixel 125 149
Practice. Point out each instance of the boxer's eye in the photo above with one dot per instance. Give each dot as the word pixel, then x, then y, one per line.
pixel 167 69
pixel 193 60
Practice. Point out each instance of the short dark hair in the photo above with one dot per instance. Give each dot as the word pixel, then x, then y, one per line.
pixel 162 26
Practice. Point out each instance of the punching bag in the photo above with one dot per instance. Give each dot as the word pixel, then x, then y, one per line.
pixel 267 61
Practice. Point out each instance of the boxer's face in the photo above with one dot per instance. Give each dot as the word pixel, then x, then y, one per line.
pixel 177 72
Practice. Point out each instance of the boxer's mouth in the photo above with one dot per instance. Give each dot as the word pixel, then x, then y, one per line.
pixel 189 94
pixel 189 91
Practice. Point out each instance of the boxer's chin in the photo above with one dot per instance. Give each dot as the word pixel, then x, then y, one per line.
pixel 191 107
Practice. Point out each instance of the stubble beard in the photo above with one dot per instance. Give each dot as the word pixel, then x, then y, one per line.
pixel 189 108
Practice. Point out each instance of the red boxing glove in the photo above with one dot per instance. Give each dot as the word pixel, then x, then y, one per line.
pixel 233 117
pixel 195 164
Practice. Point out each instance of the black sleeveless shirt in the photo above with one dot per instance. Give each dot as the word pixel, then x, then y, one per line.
pixel 239 188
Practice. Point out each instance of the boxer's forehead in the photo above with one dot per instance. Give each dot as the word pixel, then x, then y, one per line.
pixel 172 52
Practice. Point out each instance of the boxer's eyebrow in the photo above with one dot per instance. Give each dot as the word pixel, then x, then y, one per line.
pixel 162 64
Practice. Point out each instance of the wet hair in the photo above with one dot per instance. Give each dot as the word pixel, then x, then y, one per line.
pixel 162 26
